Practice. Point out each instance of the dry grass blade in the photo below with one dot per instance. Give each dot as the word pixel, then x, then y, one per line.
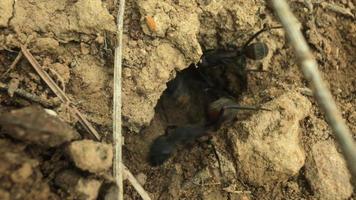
pixel 46 78
pixel 85 123
pixel 31 97
pixel 320 91
pixel 59 92
pixel 117 123
pixel 135 183
pixel 13 64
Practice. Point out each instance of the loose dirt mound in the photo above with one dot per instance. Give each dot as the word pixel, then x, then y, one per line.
pixel 262 155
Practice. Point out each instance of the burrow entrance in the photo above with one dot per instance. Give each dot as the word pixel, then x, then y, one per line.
pixel 184 102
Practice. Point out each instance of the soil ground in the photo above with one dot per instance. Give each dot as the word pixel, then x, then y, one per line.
pixel 161 39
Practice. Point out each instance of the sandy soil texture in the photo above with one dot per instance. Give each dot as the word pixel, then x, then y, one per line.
pixel 286 152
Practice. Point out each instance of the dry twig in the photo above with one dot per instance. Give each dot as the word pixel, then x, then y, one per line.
pixel 338 9
pixel 59 92
pixel 117 135
pixel 320 91
pixel 13 64
pixel 135 183
pixel 31 97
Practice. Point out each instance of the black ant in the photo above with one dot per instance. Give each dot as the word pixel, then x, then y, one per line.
pixel 218 112
pixel 233 61
pixel 255 51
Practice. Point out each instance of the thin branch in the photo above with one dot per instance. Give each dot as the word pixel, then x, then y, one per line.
pixel 31 97
pixel 13 64
pixel 59 92
pixel 320 91
pixel 128 175
pixel 45 77
pixel 117 123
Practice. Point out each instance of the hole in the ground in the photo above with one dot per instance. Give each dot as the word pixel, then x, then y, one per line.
pixel 195 104
pixel 198 101
pixel 187 97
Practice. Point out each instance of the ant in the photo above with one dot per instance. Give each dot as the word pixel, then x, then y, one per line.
pixel 234 60
pixel 255 51
pixel 218 112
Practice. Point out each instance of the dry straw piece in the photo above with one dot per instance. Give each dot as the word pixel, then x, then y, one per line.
pixel 117 123
pixel 320 91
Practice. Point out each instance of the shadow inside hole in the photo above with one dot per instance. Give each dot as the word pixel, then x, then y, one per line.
pixel 181 112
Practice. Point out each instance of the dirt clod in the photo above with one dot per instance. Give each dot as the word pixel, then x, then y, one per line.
pixel 268 145
pixel 77 186
pixel 92 156
pixel 34 125
pixel 327 172
pixel 20 174
pixel 63 22
pixel 108 191
pixel 141 178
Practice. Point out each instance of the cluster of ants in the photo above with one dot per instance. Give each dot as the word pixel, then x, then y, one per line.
pixel 220 110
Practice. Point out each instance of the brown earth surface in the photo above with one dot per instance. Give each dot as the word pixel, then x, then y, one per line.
pixel 286 153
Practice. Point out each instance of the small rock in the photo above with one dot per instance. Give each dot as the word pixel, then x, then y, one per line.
pixel 84 48
pixel 62 70
pixel 35 126
pixel 80 187
pixel 202 176
pixel 108 192
pixel 227 167
pixel 22 174
pixel 51 112
pixel 21 177
pixel 46 45
pixel 84 12
pixel 141 178
pixel 92 156
pixel 66 179
pixel 267 145
pixel 89 188
pixel 327 172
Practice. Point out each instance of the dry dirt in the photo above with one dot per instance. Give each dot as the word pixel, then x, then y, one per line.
pixel 286 153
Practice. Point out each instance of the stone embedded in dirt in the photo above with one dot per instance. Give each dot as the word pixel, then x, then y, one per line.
pixel 20 175
pixel 89 188
pixel 141 178
pixel 46 44
pixel 34 125
pixel 327 172
pixel 6 8
pixel 267 145
pixel 203 176
pixel 83 12
pixel 227 167
pixel 108 191
pixel 92 156
pixel 62 71
pixel 77 186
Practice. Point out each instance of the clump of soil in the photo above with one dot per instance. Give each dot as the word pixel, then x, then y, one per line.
pixel 275 154
pixel 21 177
